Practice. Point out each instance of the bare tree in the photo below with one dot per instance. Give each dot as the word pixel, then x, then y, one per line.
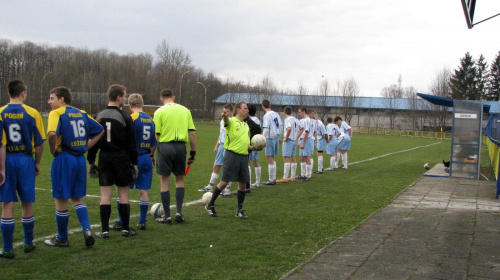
pixel 441 87
pixel 349 91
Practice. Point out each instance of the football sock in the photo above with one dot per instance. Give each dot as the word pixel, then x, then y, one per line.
pixel 143 211
pixel 344 159
pixel 332 161
pixel 62 219
pixel 83 216
pixel 165 201
pixel 302 169
pixel 337 159
pixel 124 210
pixel 309 168
pixel 229 185
pixel 118 208
pixel 258 174
pixel 293 170
pixel 214 196
pixel 7 227
pixel 320 163
pixel 312 163
pixel 213 178
pixel 271 170
pixel 28 226
pixel 179 199
pixel 241 199
pixel 286 171
pixel 250 174
pixel 247 186
pixel 105 212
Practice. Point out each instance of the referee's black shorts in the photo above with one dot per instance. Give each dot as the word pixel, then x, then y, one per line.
pixel 171 158
pixel 235 168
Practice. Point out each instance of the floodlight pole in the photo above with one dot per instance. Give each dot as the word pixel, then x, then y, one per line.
pixel 180 89
pixel 204 105
pixel 41 90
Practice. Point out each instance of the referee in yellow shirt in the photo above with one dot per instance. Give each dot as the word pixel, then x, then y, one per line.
pixel 235 166
pixel 174 127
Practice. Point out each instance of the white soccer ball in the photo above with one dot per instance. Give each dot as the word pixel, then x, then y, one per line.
pixel 427 166
pixel 258 141
pixel 205 199
pixel 157 210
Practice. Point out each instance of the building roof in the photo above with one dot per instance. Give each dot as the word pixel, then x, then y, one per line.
pixel 380 103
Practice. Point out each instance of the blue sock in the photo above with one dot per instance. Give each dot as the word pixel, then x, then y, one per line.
pixel 62 219
pixel 118 210
pixel 143 206
pixel 28 226
pixel 7 227
pixel 83 216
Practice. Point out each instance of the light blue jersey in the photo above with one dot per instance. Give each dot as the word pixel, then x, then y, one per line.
pixel 272 125
pixel 292 123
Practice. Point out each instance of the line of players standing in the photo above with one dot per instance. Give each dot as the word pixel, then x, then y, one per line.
pixel 307 133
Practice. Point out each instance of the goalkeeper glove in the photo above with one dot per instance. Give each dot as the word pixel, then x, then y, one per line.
pixel 93 171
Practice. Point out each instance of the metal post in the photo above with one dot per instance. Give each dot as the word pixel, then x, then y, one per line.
pixel 204 105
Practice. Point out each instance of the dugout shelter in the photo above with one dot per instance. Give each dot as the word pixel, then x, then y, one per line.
pixel 466 136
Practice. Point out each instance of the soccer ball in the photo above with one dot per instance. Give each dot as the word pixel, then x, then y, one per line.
pixel 427 166
pixel 205 199
pixel 258 141
pixel 157 210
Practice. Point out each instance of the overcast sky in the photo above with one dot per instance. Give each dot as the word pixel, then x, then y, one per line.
pixel 291 41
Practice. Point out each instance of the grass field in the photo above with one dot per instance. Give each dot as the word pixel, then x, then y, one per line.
pixel 287 223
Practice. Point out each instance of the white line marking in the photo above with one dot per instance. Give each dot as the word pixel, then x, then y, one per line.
pixel 199 200
pixel 393 153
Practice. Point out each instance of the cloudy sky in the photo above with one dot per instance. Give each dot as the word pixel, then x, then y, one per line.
pixel 291 41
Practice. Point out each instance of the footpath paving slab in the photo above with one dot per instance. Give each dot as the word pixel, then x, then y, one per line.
pixel 439 228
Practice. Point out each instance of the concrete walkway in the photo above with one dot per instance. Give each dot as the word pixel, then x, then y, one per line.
pixel 439 228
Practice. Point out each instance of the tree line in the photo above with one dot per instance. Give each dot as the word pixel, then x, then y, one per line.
pixel 90 72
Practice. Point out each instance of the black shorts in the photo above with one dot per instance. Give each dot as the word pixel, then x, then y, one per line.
pixel 115 168
pixel 235 168
pixel 171 158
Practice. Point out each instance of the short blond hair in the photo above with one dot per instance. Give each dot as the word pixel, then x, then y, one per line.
pixel 135 100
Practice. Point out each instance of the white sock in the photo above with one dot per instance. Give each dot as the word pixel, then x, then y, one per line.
pixel 271 169
pixel 337 158
pixel 312 161
pixel 344 160
pixel 228 186
pixel 332 161
pixel 258 172
pixel 302 169
pixel 309 169
pixel 320 163
pixel 293 170
pixel 250 174
pixel 213 178
pixel 287 168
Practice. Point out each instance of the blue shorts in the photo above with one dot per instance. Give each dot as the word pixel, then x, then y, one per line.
pixel 308 148
pixel 19 177
pixel 69 176
pixel 289 148
pixel 272 146
pixel 345 144
pixel 321 145
pixel 331 148
pixel 145 177
pixel 219 157
pixel 253 156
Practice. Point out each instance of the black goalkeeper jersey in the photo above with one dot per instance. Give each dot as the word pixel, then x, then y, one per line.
pixel 119 134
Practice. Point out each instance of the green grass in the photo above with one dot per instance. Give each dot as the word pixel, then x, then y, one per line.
pixel 287 223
